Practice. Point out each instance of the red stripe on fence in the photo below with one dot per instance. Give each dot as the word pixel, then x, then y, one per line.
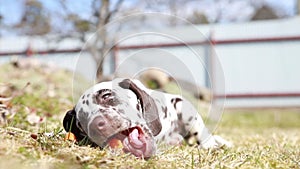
pixel 258 95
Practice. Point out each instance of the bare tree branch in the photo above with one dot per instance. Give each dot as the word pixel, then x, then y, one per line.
pixel 117 7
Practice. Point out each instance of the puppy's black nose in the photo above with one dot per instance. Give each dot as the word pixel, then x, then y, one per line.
pixel 101 123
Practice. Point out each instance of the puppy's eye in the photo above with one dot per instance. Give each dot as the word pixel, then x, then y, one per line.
pixel 106 96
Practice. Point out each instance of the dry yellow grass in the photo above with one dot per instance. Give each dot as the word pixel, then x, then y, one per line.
pixel 262 139
pixel 253 148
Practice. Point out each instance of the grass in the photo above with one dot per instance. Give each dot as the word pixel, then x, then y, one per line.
pixel 261 138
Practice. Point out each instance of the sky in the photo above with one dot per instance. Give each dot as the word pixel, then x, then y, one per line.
pixel 12 10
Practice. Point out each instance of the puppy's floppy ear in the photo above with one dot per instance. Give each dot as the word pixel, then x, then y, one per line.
pixel 71 124
pixel 150 111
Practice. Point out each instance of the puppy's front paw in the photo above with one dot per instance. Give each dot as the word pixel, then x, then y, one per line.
pixel 222 142
pixel 214 142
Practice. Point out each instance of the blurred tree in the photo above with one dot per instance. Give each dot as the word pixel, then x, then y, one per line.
pixel 80 25
pixel 102 13
pixel 1 20
pixel 173 7
pixel 34 20
pixel 264 13
pixel 198 18
pixel 298 7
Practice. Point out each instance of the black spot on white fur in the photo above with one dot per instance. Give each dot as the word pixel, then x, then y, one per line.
pixel 165 110
pixel 174 101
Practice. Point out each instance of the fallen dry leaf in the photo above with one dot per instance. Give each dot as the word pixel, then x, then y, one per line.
pixel 34 136
pixel 115 143
pixel 33 118
pixel 70 136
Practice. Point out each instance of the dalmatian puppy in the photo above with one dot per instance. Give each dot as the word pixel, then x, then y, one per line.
pixel 125 110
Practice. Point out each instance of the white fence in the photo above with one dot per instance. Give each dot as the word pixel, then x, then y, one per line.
pixel 259 60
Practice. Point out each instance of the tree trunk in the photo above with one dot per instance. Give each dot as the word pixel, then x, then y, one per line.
pixel 100 73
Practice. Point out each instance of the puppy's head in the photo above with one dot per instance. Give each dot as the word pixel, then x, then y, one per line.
pixel 120 109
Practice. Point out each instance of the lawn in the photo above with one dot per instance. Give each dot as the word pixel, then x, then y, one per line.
pixel 32 135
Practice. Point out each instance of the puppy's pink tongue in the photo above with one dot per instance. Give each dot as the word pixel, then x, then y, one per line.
pixel 134 139
pixel 138 144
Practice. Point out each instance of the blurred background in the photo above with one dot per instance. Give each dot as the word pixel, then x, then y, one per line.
pixel 253 44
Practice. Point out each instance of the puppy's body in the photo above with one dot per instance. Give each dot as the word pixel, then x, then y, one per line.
pixel 140 118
